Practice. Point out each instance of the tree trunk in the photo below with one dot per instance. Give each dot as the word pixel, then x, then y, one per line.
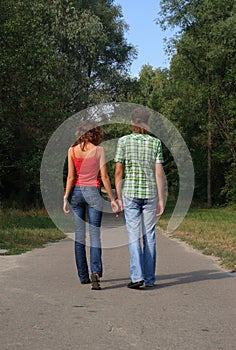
pixel 209 146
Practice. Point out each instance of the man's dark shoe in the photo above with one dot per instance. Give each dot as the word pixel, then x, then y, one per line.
pixel 135 285
pixel 86 281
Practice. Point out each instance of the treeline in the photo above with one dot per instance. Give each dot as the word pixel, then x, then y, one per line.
pixel 57 58
pixel 60 56
pixel 198 92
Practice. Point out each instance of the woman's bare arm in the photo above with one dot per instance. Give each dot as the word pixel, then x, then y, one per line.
pixel 70 181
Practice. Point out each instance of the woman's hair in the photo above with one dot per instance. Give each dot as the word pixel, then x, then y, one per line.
pixel 88 131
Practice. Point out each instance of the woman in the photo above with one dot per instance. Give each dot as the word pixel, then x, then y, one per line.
pixel 86 165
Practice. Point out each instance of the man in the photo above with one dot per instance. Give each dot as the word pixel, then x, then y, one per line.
pixel 139 157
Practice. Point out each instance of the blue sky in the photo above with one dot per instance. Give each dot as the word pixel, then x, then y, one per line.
pixel 144 33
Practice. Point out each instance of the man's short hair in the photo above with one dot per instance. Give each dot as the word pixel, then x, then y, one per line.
pixel 139 118
pixel 140 115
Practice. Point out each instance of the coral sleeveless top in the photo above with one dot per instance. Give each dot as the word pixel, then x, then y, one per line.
pixel 87 170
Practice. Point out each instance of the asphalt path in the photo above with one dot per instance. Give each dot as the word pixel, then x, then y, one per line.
pixel 43 306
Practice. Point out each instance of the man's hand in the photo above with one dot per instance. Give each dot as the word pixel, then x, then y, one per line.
pixel 120 204
pixel 160 208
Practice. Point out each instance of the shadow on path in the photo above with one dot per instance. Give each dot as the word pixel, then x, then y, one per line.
pixel 175 279
pixel 191 277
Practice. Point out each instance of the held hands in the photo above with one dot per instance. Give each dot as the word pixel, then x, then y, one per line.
pixel 117 206
pixel 120 204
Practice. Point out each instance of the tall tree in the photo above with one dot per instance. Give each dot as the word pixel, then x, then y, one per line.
pixel 27 63
pixel 209 48
pixel 90 39
pixel 57 57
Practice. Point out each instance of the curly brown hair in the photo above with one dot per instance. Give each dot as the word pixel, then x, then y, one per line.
pixel 88 131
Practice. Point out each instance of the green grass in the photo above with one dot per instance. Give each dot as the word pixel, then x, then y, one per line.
pixel 22 231
pixel 212 231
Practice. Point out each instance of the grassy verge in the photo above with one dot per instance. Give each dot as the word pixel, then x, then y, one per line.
pixel 212 231
pixel 23 231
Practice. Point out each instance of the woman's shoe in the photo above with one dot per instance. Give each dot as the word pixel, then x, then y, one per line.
pixel 95 281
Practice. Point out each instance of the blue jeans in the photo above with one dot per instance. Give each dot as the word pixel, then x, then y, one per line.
pixel 141 212
pixel 87 203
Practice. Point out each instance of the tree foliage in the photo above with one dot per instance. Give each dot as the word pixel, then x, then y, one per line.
pixel 202 77
pixel 57 57
pixel 197 92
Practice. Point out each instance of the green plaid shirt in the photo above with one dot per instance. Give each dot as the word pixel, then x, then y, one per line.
pixel 139 153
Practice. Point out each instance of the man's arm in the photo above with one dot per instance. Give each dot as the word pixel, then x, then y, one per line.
pixel 118 183
pixel 160 189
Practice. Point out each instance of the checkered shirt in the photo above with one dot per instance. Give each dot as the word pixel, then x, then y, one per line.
pixel 139 153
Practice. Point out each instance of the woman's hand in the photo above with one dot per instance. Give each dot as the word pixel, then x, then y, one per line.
pixel 66 207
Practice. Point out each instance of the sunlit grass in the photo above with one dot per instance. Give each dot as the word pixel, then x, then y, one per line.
pixel 22 231
pixel 212 231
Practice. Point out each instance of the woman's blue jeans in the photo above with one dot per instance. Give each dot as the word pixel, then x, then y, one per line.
pixel 87 203
pixel 141 213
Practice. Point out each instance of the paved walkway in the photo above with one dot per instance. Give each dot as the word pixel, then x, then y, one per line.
pixel 44 307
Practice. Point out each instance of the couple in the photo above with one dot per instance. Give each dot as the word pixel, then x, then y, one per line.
pixel 141 197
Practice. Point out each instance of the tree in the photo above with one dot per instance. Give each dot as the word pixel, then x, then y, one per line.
pixel 208 47
pixel 57 57
pixel 95 54
pixel 26 64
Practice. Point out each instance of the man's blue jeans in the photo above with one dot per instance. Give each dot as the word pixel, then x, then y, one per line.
pixel 86 202
pixel 141 212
